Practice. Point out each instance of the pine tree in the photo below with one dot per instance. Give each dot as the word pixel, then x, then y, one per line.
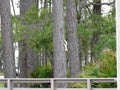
pixel 7 40
pixel 58 40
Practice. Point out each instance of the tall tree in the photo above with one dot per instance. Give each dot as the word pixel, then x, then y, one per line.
pixel 27 55
pixel 96 32
pixel 73 46
pixel 58 40
pixel 7 40
pixel 1 48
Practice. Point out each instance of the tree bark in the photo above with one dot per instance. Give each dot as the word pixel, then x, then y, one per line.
pixel 96 32
pixel 22 60
pixel 32 60
pixel 60 68
pixel 7 40
pixel 97 7
pixel 73 46
pixel 26 51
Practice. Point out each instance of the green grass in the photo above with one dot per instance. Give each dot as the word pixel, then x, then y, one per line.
pixel 1 85
pixel 1 74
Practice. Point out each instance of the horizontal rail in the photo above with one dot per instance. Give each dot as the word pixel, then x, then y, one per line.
pixel 62 79
pixel 53 81
pixel 85 79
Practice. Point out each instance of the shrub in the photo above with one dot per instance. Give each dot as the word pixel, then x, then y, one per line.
pixel 104 67
pixel 42 72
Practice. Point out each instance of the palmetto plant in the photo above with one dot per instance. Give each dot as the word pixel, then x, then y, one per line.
pixel 104 67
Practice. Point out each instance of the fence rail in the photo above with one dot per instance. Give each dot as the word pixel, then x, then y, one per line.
pixel 10 82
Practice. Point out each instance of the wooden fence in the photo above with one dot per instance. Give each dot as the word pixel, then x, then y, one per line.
pixel 14 83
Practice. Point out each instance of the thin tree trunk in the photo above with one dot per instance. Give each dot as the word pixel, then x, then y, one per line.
pixel 1 60
pixel 96 32
pixel 45 3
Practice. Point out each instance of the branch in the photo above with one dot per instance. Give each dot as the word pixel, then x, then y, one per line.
pixel 85 4
pixel 13 7
pixel 98 4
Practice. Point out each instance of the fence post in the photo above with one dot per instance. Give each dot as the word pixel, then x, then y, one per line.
pixel 9 84
pixel 89 84
pixel 52 84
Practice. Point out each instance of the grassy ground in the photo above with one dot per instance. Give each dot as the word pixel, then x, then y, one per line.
pixel 1 74
pixel 1 84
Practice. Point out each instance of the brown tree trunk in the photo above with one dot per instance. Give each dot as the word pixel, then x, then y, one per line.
pixel 73 46
pixel 7 40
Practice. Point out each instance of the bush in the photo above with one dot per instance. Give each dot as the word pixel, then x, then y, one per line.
pixel 42 72
pixel 104 67
pixel 107 64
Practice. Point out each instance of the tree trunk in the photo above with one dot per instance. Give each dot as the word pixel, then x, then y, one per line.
pixel 26 5
pixel 97 7
pixel 60 68
pixel 22 60
pixel 45 3
pixel 1 60
pixel 73 46
pixel 96 32
pixel 7 40
pixel 26 52
pixel 32 60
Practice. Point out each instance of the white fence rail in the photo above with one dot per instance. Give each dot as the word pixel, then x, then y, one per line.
pixel 13 83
